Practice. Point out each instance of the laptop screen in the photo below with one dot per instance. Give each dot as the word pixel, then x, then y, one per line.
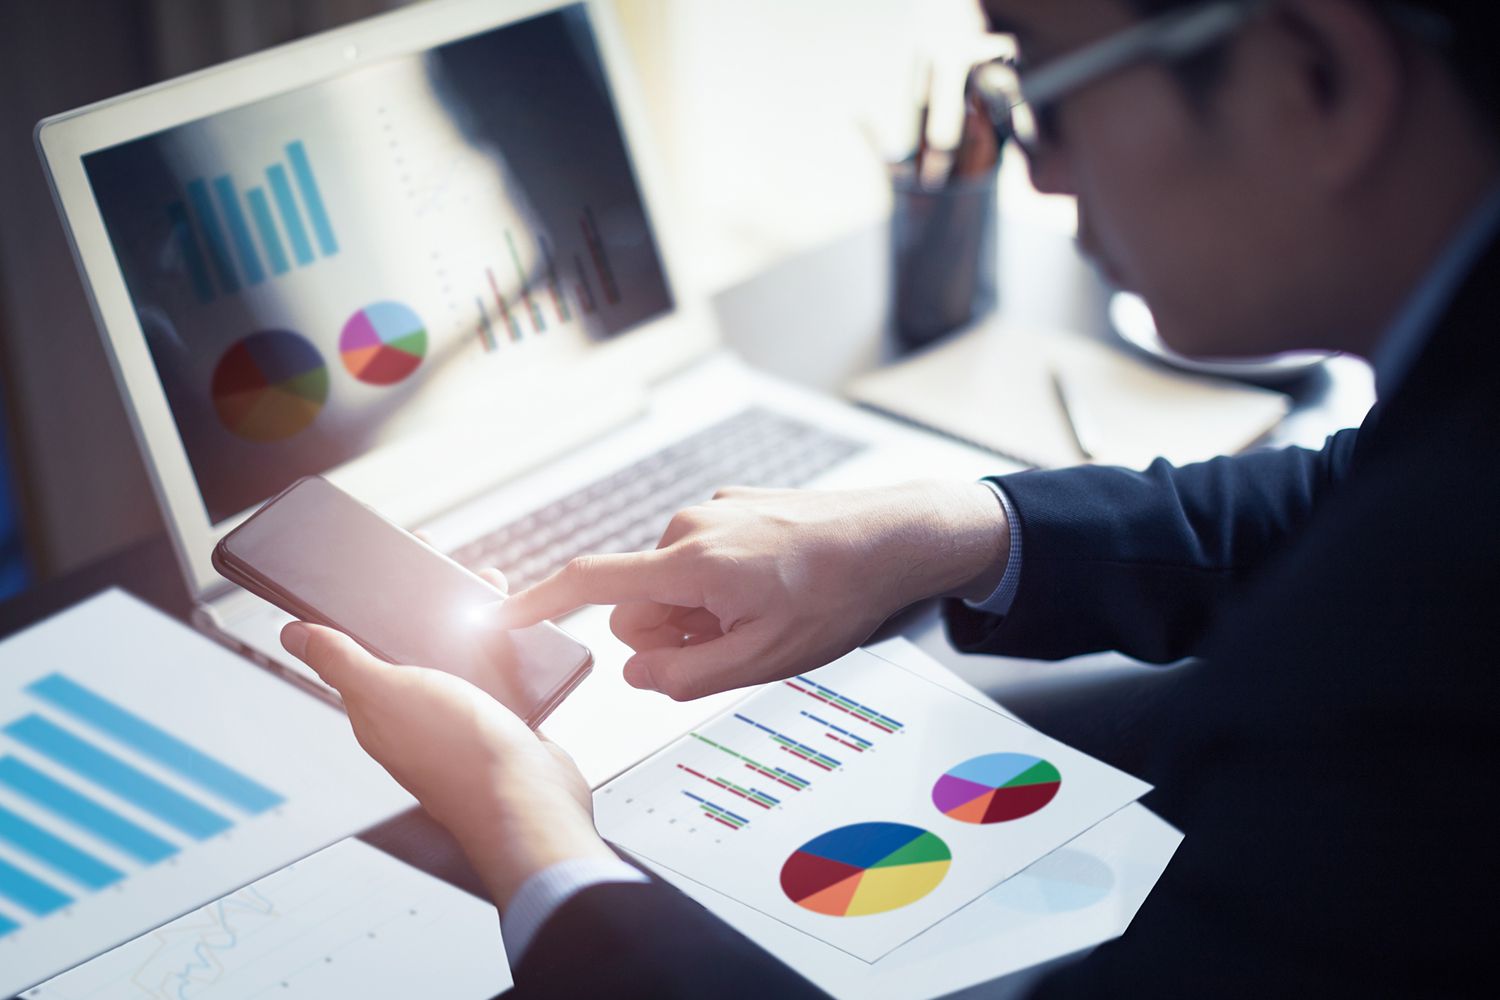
pixel 323 271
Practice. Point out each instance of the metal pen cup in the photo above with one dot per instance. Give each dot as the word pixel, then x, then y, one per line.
pixel 943 252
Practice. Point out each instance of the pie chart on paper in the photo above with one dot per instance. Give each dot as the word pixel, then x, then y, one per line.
pixel 996 788
pixel 865 868
pixel 269 386
pixel 383 343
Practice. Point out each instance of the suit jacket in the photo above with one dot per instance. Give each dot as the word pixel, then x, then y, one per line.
pixel 1331 759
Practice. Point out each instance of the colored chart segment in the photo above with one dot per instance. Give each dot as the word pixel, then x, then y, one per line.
pixel 996 788
pixel 383 343
pixel 269 386
pixel 865 868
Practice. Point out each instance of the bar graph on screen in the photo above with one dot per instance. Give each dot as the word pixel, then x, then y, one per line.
pixel 228 240
pixel 537 299
pixel 91 793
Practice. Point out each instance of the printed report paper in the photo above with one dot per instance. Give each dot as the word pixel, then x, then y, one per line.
pixel 145 770
pixel 860 804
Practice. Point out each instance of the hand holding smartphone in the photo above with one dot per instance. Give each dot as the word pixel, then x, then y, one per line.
pixel 322 556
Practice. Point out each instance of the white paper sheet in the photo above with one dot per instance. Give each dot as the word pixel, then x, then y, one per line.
pixel 822 802
pixel 87 884
pixel 349 921
pixel 1079 896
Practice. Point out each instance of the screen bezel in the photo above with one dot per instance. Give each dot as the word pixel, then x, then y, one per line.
pixel 611 376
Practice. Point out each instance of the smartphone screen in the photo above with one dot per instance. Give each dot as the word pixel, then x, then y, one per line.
pixel 318 553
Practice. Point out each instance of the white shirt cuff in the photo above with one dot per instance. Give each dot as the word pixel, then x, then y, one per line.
pixel 1004 594
pixel 541 895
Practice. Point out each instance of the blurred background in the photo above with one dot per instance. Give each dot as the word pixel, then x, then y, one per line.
pixel 772 120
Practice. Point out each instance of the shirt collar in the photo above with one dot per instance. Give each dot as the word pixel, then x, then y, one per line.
pixel 1407 334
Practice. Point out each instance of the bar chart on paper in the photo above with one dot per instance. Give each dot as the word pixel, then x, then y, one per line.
pixel 83 802
pixel 140 777
pixel 747 766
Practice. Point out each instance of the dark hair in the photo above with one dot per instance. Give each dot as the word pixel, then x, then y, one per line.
pixel 1461 32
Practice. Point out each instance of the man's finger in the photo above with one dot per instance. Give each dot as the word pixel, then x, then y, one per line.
pixel 495 579
pixel 641 618
pixel 637 623
pixel 605 579
pixel 642 625
pixel 335 657
pixel 696 670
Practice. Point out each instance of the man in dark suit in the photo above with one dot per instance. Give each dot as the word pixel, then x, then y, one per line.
pixel 1269 175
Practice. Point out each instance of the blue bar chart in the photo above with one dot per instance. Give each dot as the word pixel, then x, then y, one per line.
pixel 91 793
pixel 145 770
pixel 229 239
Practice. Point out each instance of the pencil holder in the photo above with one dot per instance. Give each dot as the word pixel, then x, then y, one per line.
pixel 943 253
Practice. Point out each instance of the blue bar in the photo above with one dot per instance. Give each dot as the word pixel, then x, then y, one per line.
pixel 83 812
pixel 31 894
pixel 56 853
pixel 6 926
pixel 114 775
pixel 145 739
pixel 302 170
pixel 229 204
pixel 208 222
pixel 192 255
pixel 291 219
pixel 260 211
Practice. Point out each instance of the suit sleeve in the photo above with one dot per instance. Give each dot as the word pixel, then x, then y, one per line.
pixel 1138 561
pixel 647 940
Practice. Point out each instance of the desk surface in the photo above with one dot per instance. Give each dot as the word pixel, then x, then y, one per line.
pixel 837 330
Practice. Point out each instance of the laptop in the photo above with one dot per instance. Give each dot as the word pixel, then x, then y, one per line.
pixel 429 256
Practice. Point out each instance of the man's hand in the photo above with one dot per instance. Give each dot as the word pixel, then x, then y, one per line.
pixel 516 803
pixel 756 585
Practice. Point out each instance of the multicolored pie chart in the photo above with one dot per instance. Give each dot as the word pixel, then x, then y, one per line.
pixel 996 787
pixel 865 868
pixel 383 343
pixel 269 385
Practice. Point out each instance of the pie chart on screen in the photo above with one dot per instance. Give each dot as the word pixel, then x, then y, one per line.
pixel 996 788
pixel 383 343
pixel 269 386
pixel 865 868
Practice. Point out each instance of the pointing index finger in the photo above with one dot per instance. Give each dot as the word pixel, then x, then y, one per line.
pixel 602 579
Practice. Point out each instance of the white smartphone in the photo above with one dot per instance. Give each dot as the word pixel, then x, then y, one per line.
pixel 319 554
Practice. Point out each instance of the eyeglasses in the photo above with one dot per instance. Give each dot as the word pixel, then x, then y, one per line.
pixel 1023 103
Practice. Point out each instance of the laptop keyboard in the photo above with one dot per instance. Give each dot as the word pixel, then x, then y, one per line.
pixel 629 509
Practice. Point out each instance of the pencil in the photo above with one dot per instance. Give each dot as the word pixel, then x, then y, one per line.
pixel 1071 416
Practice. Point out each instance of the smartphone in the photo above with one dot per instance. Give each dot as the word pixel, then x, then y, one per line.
pixel 322 556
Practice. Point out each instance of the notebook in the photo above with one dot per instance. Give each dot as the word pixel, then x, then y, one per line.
pixel 997 386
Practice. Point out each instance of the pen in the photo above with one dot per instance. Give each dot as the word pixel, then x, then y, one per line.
pixel 920 157
pixel 1073 417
